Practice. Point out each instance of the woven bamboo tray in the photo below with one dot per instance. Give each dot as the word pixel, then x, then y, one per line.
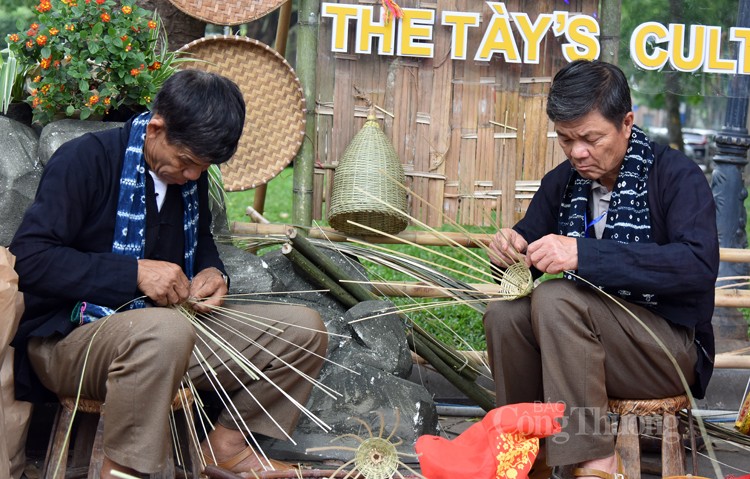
pixel 275 117
pixel 223 12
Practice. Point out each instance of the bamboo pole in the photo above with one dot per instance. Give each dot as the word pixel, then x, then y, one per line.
pixel 307 52
pixel 424 238
pixel 317 276
pixel 282 33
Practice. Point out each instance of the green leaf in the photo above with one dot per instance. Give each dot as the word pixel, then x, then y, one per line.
pixel 98 29
pixel 93 48
pixel 83 85
pixel 85 113
pixel 46 52
pixel 70 110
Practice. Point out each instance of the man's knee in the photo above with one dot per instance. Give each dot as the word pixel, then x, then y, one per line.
pixel 169 330
pixel 503 316
pixel 318 335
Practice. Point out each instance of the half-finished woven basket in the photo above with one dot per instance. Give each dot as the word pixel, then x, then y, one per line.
pixel 367 185
pixel 275 117
pixel 226 12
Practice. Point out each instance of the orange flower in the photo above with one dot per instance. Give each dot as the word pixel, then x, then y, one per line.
pixel 152 24
pixel 147 98
pixel 41 40
pixel 124 38
pixel 45 63
pixel 37 79
pixel 44 6
pixel 70 27
pixel 56 63
pixel 154 66
pixel 135 72
pixel 127 10
pixel 34 26
pixel 53 31
pixel 45 89
pixel 13 37
pixel 93 100
pixel 107 101
pixel 34 92
pixel 128 47
pixel 29 44
pixel 36 102
pixel 100 2
pixel 104 16
pixel 31 32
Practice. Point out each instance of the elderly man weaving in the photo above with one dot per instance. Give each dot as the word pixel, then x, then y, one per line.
pixel 626 215
pixel 118 232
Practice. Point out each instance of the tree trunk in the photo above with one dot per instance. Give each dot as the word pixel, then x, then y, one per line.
pixel 672 86
pixel 181 28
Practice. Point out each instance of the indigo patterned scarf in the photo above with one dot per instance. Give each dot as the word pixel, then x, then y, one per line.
pixel 130 224
pixel 628 217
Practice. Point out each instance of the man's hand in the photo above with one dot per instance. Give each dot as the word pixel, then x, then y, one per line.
pixel 163 282
pixel 553 254
pixel 507 247
pixel 208 286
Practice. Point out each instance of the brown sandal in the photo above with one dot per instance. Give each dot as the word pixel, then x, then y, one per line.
pixel 585 471
pixel 230 463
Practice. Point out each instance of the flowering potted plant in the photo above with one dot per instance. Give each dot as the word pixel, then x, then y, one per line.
pixel 86 57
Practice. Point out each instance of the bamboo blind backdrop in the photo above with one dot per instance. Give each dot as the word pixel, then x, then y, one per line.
pixel 473 137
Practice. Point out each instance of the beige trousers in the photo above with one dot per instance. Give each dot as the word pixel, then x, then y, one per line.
pixel 570 343
pixel 138 358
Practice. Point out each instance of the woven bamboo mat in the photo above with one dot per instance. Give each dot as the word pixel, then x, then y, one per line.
pixel 275 117
pixel 223 12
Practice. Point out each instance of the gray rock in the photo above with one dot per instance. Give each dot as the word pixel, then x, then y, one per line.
pixel 19 175
pixel 368 395
pixel 248 273
pixel 58 132
pixel 379 339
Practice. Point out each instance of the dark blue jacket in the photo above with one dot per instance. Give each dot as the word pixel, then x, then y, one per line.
pixel 681 264
pixel 63 246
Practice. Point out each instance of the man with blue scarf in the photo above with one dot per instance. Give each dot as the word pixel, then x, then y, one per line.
pixel 120 231
pixel 623 216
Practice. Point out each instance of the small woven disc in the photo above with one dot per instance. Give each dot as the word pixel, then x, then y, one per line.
pixel 223 12
pixel 275 106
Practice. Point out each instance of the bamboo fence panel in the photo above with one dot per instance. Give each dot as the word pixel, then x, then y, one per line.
pixel 473 136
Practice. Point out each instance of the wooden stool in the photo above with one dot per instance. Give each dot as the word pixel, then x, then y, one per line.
pixel 672 452
pixel 57 450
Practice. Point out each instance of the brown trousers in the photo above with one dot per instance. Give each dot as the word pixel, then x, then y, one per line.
pixel 138 358
pixel 570 343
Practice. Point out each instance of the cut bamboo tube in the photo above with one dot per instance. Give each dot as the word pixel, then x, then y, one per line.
pixel 474 391
pixel 317 276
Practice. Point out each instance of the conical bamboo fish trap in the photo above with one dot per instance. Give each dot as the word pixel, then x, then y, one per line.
pixel 366 185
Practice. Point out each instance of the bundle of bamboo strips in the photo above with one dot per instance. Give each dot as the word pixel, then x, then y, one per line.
pixel 321 270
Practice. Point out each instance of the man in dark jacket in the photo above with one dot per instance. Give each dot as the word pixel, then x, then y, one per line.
pixel 632 227
pixel 118 234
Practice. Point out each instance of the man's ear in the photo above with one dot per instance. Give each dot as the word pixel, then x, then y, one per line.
pixel 156 126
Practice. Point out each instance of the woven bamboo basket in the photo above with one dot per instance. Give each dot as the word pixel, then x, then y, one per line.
pixel 516 282
pixel 274 101
pixel 223 12
pixel 366 185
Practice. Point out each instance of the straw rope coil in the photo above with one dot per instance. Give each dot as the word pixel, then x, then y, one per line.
pixel 275 103
pixel 647 407
pixel 366 185
pixel 222 12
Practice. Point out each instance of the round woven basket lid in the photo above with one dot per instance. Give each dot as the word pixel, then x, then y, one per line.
pixel 223 12
pixel 275 106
